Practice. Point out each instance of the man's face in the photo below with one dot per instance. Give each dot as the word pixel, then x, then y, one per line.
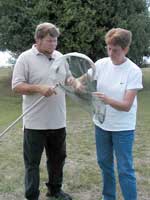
pixel 116 53
pixel 47 44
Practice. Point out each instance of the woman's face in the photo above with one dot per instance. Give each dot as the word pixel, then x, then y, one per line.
pixel 117 53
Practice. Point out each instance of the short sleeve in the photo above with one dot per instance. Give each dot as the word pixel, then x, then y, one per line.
pixel 93 73
pixel 135 80
pixel 90 73
pixel 20 72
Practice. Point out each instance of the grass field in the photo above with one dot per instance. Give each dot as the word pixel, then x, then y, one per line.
pixel 81 173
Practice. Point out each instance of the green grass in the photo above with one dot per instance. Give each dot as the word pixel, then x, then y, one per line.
pixel 81 173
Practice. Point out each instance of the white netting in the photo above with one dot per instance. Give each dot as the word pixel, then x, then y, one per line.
pixel 77 64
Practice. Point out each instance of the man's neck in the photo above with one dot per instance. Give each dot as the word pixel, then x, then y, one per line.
pixel 47 54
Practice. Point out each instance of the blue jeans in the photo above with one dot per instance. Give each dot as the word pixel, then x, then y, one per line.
pixel 120 143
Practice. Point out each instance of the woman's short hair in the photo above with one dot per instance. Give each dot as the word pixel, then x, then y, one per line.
pixel 119 36
pixel 45 29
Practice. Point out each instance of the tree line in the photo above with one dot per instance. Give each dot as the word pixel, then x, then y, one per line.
pixel 83 24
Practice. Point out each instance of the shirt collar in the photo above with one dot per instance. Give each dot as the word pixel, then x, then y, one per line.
pixel 120 65
pixel 37 52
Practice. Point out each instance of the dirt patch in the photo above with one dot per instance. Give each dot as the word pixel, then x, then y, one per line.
pixel 79 196
pixel 11 196
pixel 88 195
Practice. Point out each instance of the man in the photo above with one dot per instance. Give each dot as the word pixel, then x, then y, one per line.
pixel 44 126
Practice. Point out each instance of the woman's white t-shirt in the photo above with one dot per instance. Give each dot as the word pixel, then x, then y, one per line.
pixel 113 81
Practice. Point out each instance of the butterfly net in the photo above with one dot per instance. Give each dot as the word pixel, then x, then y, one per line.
pixel 78 65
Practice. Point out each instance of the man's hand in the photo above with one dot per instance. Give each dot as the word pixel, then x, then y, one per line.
pixel 29 89
pixel 46 90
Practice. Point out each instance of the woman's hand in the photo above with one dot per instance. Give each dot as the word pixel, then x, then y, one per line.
pixel 75 83
pixel 102 97
pixel 121 105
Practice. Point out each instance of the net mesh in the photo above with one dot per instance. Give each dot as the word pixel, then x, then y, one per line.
pixel 77 65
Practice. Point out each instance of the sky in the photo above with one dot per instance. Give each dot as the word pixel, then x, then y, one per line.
pixel 4 56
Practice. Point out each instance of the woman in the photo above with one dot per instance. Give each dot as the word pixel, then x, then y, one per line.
pixel 118 80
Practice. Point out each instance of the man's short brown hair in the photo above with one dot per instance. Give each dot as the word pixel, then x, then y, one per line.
pixel 44 29
pixel 119 36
